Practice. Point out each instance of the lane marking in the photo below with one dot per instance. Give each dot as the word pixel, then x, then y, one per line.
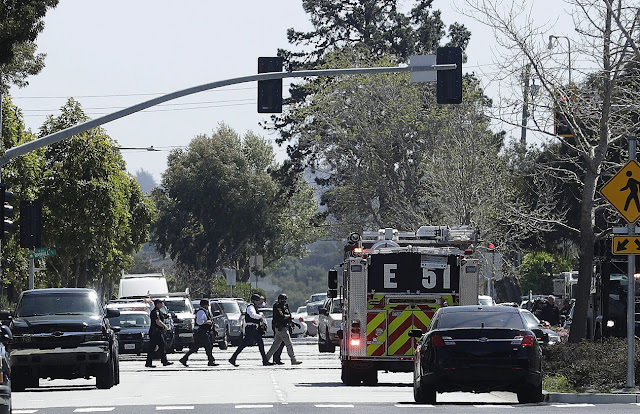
pixel 277 389
pixel 94 410
pixel 175 407
pixel 24 411
pixel 493 406
pixel 334 405
pixel 415 405
pixel 254 406
pixel 572 405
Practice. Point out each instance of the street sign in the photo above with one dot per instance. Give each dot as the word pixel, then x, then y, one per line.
pixel 41 252
pixel 625 245
pixel 623 191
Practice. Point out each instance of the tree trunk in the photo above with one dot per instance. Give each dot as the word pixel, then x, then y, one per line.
pixel 587 238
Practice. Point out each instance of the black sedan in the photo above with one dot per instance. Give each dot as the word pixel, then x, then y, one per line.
pixel 480 349
pixel 134 331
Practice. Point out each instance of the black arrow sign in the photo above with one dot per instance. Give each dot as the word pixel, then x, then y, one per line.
pixel 622 246
pixel 637 241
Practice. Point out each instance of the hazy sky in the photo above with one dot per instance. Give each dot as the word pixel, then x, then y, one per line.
pixel 111 54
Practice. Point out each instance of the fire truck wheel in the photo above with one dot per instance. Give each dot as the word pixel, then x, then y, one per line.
pixel 349 376
pixel 370 377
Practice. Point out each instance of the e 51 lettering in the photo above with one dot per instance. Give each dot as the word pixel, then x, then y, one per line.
pixel 403 273
pixel 389 276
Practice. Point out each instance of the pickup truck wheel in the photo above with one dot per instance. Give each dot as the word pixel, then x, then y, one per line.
pixel 116 369
pixel 105 376
pixel 223 342
pixel 18 380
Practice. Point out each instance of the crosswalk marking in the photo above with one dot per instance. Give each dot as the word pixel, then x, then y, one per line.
pixel 94 409
pixel 175 407
pixel 254 406
pixel 572 405
pixel 334 405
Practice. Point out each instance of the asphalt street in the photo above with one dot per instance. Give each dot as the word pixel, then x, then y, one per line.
pixel 313 387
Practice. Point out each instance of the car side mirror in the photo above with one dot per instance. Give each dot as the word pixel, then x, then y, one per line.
pixel 5 336
pixel 340 333
pixel 112 313
pixel 216 313
pixel 415 333
pixel 323 311
pixel 116 329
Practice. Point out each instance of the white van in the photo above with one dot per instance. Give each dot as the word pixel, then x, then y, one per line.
pixel 143 284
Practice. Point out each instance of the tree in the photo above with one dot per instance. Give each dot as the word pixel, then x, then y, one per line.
pixel 146 181
pixel 593 107
pixel 218 205
pixel 537 272
pixel 95 214
pixel 20 24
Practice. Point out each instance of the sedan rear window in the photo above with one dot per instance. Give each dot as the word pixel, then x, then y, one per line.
pixel 449 320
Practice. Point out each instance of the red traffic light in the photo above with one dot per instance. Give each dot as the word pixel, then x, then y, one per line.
pixel 492 246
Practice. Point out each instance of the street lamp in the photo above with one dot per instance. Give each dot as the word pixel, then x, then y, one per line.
pixel 550 46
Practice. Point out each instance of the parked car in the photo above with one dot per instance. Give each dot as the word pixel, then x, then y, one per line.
pixel 5 382
pixel 486 300
pixel 480 349
pixel 315 302
pixel 139 305
pixel 182 313
pixel 221 323
pixel 133 336
pixel 235 317
pixel 329 322
pixel 63 333
pixel 310 320
pixel 299 329
pixel 545 335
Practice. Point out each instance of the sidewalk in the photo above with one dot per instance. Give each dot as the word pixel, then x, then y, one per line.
pixel 591 398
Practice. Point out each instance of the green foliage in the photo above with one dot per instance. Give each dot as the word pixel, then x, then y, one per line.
pixel 218 205
pixel 243 290
pixel 95 214
pixel 590 367
pixel 20 24
pixel 535 269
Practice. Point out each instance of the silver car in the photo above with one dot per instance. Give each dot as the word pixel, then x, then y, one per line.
pixel 236 319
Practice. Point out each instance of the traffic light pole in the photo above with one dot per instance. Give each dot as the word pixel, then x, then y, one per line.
pixel 631 297
pixel 85 126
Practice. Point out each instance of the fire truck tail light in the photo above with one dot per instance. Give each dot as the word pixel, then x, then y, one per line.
pixel 357 250
pixel 355 341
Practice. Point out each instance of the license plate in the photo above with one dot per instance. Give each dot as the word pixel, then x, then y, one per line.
pixel 129 346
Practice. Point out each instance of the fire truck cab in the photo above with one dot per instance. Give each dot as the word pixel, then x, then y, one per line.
pixel 393 282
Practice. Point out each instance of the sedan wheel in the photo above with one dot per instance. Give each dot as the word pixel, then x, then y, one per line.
pixel 423 394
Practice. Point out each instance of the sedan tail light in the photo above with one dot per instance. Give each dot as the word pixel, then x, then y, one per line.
pixel 438 341
pixel 524 341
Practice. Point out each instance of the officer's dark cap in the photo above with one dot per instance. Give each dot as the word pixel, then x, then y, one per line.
pixel 256 297
pixel 155 302
pixel 204 302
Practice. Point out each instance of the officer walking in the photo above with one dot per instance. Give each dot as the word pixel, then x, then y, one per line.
pixel 201 334
pixel 252 331
pixel 281 321
pixel 155 335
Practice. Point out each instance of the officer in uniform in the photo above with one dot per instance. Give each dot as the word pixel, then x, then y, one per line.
pixel 252 331
pixel 201 334
pixel 155 335
pixel 281 321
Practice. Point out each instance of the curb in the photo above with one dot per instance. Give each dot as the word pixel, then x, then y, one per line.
pixel 591 398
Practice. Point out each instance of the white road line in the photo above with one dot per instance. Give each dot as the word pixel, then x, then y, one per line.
pixel 175 407
pixel 334 405
pixel 94 410
pixel 492 406
pixel 24 411
pixel 277 389
pixel 572 405
pixel 254 406
pixel 414 405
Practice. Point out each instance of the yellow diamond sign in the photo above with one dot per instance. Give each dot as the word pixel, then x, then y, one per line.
pixel 623 191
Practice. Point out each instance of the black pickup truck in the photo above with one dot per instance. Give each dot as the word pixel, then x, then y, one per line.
pixel 63 333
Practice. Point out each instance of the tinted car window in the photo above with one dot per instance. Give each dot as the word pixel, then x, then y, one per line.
pixel 230 307
pixel 131 320
pixel 58 304
pixel 337 306
pixel 450 320
pixel 268 313
pixel 177 306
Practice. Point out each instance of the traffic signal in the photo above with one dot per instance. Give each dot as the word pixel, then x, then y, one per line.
pixel 270 91
pixel 491 246
pixel 449 82
pixel 31 224
pixel 561 126
pixel 6 197
pixel 333 283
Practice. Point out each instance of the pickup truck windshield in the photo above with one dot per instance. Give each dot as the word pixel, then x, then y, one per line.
pixel 58 304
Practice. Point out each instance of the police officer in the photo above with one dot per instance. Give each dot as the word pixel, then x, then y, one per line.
pixel 201 334
pixel 155 335
pixel 252 331
pixel 281 321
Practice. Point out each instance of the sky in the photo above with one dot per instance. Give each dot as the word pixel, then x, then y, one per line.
pixel 111 54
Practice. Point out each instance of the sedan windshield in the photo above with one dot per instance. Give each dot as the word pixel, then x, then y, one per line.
pixel 230 307
pixel 58 304
pixel 509 320
pixel 177 306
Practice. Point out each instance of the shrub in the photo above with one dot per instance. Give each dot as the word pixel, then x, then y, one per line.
pixel 590 367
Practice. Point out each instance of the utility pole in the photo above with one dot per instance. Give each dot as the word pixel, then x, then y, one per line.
pixel 525 106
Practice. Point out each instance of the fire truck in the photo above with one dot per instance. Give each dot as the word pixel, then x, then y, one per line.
pixel 393 282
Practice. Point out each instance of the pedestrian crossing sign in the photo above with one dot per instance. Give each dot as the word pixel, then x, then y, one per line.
pixel 623 191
